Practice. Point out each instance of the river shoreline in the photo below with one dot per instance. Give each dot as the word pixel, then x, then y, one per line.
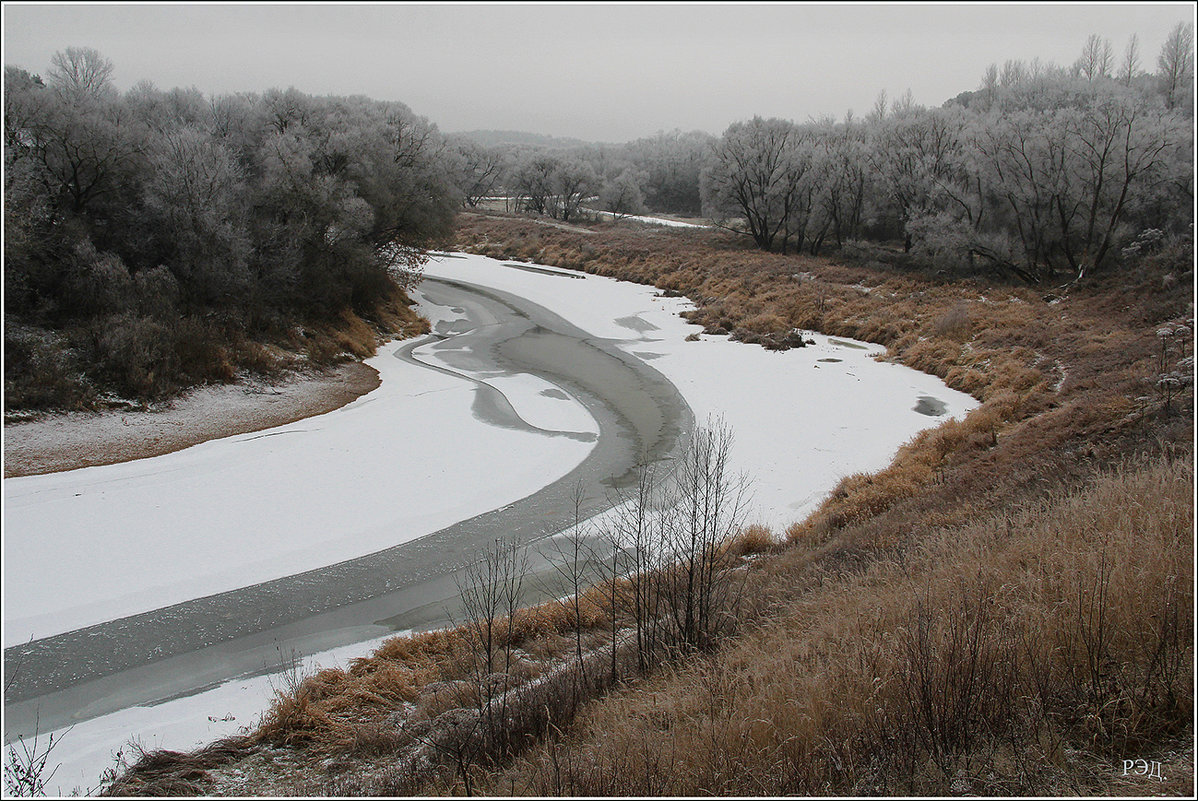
pixel 72 440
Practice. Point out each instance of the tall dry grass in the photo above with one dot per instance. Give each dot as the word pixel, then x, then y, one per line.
pixel 1024 653
pixel 422 675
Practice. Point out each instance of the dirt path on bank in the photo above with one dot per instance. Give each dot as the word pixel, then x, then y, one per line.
pixel 577 229
pixel 80 439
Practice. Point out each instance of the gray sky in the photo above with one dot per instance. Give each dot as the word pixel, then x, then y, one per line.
pixel 603 71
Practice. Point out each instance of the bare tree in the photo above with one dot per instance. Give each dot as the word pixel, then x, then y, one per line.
pixel 633 530
pixel 25 761
pixel 707 508
pixel 917 162
pixel 878 112
pixel 79 72
pixel 574 181
pixel 572 564
pixel 531 178
pixel 841 180
pixel 1129 67
pixel 1096 59
pixel 1013 73
pixel 756 174
pixel 479 170
pixel 905 104
pixel 989 87
pixel 681 592
pixel 622 195
pixel 26 765
pixel 1175 65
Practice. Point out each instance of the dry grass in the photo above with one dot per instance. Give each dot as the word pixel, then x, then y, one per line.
pixel 1049 371
pixel 171 773
pixel 334 711
pixel 1023 653
pixel 753 540
pixel 1063 384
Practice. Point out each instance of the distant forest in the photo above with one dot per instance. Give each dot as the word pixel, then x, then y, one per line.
pixel 493 138
pixel 156 240
pixel 1041 170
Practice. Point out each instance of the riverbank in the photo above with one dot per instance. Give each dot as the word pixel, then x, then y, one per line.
pixel 964 511
pixel 968 620
pixel 52 443
pixel 410 459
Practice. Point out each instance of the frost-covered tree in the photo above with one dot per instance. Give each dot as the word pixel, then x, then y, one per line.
pixel 1129 66
pixel 195 193
pixel 917 160
pixel 1064 177
pixel 530 178
pixel 573 181
pixel 1041 171
pixel 478 170
pixel 1097 58
pixel 754 179
pixel 671 164
pixel 80 72
pixel 134 221
pixel 1175 67
pixel 622 195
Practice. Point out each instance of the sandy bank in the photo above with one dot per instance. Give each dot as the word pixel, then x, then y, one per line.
pixel 79 439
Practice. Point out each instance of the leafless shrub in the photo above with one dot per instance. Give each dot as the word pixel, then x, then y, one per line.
pixel 27 767
pixel 674 532
pixel 492 591
pixel 573 563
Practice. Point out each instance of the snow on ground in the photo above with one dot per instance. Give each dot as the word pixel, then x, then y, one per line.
pixel 86 546
pixel 86 750
pixel 80 439
pixel 647 219
pixel 802 419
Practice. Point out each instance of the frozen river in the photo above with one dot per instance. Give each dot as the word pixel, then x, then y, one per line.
pixel 147 587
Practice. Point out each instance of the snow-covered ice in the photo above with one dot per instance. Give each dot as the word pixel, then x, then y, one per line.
pixel 86 750
pixel 802 419
pixel 86 546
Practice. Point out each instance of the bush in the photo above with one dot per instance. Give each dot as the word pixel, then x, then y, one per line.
pixel 135 355
pixel 42 370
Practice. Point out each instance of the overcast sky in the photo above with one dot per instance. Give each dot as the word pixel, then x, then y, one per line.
pixel 601 72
